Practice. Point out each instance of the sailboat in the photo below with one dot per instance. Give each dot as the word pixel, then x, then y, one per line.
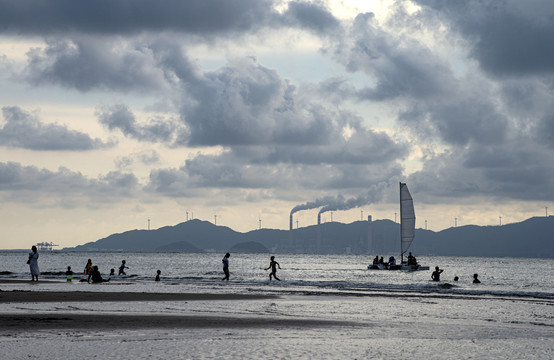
pixel 407 233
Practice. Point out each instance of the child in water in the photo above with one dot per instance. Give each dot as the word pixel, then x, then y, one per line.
pixel 273 265
pixel 122 268
pixel 69 274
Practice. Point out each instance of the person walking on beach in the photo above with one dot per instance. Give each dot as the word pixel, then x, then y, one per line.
pixel 273 265
pixel 436 276
pixel 33 263
pixel 122 268
pixel 225 262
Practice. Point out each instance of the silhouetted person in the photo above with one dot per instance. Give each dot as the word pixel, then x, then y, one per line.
pixel 112 272
pixel 95 276
pixel 69 274
pixel 456 278
pixel 225 262
pixel 475 280
pixel 411 259
pixel 392 261
pixel 33 263
pixel 436 276
pixel 273 265
pixel 122 268
pixel 158 273
pixel 88 267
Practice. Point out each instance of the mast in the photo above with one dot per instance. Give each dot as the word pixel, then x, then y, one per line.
pixel 401 228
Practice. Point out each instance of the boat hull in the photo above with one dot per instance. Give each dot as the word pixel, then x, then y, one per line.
pixel 403 267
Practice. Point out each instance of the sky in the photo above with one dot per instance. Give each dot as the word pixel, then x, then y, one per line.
pixel 120 115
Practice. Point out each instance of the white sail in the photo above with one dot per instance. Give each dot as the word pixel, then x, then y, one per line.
pixel 407 219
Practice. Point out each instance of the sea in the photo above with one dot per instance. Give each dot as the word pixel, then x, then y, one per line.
pixel 398 314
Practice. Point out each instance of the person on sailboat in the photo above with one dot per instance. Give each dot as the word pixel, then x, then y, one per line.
pixel 392 261
pixel 436 276
pixel 411 259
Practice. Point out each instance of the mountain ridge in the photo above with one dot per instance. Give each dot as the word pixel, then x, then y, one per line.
pixel 529 238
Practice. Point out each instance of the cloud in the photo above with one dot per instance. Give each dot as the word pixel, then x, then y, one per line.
pixel 33 183
pixel 86 63
pixel 120 117
pixel 134 16
pixel 508 38
pixel 146 157
pixel 24 130
pixel 515 170
pixel 313 16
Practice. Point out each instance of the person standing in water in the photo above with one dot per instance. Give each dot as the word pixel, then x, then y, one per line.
pixel 33 263
pixel 225 262
pixel 122 268
pixel 158 273
pixel 475 280
pixel 436 276
pixel 273 265
pixel 88 267
pixel 69 274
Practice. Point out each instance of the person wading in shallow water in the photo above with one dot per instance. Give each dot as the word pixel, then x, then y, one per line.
pixel 273 265
pixel 33 263
pixel 95 276
pixel 225 262
pixel 436 276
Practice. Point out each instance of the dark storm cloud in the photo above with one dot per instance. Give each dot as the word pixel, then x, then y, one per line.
pixel 507 37
pixel 516 170
pixel 87 63
pixel 430 98
pixel 311 16
pixel 120 117
pixel 24 130
pixel 133 16
pixel 217 172
pixel 401 67
pixel 19 181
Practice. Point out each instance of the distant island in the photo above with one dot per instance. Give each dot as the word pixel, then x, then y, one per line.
pixel 530 238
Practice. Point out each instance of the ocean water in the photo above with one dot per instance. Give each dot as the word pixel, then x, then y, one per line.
pixel 510 315
pixel 300 273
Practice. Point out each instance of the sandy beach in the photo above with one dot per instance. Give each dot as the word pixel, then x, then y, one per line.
pixel 38 321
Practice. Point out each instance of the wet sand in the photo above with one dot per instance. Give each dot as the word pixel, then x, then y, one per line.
pixel 22 322
pixel 90 296
pixel 110 321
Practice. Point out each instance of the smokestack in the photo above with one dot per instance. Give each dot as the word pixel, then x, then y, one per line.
pixel 318 240
pixel 319 219
pixel 369 235
pixel 290 228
